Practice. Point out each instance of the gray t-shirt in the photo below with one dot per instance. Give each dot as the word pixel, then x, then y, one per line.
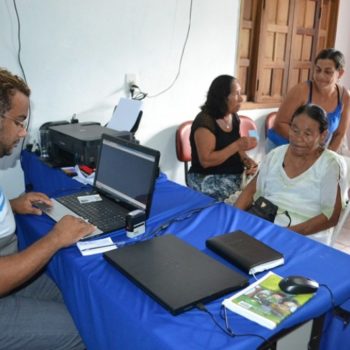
pixel 7 220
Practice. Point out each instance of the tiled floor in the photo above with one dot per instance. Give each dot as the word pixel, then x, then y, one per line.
pixel 343 241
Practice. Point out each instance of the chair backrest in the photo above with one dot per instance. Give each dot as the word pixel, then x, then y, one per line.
pixel 269 121
pixel 344 216
pixel 345 213
pixel 183 146
pixel 246 125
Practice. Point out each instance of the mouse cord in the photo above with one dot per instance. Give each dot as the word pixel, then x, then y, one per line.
pixel 334 311
pixel 227 329
pixel 330 293
pixel 163 226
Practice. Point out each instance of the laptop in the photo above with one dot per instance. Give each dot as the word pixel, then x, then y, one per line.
pixel 124 181
pixel 177 275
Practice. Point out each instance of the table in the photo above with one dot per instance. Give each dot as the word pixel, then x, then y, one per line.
pixel 111 312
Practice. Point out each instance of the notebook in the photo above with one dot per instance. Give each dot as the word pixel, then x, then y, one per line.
pixel 245 251
pixel 124 181
pixel 177 275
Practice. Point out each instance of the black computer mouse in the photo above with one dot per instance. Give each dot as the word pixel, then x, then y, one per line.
pixel 298 285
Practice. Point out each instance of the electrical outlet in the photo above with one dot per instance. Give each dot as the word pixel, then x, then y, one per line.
pixel 130 79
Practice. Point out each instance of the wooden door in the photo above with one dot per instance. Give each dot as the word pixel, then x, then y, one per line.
pixel 279 40
pixel 274 42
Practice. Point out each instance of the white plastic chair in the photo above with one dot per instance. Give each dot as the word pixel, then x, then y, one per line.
pixel 344 215
pixel 337 230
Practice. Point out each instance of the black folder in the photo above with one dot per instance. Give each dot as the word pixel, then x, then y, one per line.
pixel 174 273
pixel 245 251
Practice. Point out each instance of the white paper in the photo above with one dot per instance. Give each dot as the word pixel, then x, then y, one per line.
pixel 253 133
pixel 125 114
pixel 89 198
pixel 96 246
pixel 85 179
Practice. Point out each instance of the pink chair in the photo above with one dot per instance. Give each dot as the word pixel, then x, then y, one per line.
pixel 246 125
pixel 269 121
pixel 183 146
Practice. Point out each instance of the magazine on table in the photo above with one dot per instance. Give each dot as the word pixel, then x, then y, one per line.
pixel 265 303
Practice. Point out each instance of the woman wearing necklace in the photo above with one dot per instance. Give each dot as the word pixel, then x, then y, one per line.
pixel 323 90
pixel 218 150
pixel 306 181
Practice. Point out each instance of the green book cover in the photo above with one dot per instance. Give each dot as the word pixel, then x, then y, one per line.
pixel 265 303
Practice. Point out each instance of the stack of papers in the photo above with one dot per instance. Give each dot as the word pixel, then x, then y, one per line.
pixel 96 246
pixel 85 179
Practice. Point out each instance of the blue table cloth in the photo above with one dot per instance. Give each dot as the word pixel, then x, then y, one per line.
pixel 113 313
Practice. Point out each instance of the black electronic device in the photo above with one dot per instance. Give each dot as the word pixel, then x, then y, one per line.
pixel 124 182
pixel 135 223
pixel 174 273
pixel 79 143
pixel 298 285
pixel 45 139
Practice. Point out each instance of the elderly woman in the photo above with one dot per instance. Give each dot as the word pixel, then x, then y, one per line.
pixel 323 90
pixel 305 180
pixel 218 150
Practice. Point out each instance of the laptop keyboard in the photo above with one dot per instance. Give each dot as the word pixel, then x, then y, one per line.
pixel 105 214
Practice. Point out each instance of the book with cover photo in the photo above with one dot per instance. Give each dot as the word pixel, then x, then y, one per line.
pixel 265 303
pixel 245 251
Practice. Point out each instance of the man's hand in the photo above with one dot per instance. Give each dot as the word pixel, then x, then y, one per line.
pixel 69 230
pixel 24 203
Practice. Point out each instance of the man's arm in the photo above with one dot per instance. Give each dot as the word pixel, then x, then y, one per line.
pixel 18 268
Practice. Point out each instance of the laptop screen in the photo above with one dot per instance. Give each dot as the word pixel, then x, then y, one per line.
pixel 126 171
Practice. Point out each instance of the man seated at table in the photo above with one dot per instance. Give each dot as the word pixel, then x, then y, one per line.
pixel 32 312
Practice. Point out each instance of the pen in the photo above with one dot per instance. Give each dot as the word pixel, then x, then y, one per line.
pixel 101 246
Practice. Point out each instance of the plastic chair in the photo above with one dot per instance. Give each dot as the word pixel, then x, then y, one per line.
pixel 183 146
pixel 345 213
pixel 269 121
pixel 246 125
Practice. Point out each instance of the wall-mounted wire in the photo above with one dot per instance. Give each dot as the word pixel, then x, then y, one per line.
pixel 181 57
pixel 20 61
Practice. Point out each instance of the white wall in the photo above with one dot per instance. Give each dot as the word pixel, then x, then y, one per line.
pixel 76 53
pixel 342 42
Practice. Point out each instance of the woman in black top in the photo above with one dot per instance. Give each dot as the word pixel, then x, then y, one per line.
pixel 218 150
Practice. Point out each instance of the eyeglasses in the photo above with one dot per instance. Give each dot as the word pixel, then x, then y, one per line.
pixel 21 125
